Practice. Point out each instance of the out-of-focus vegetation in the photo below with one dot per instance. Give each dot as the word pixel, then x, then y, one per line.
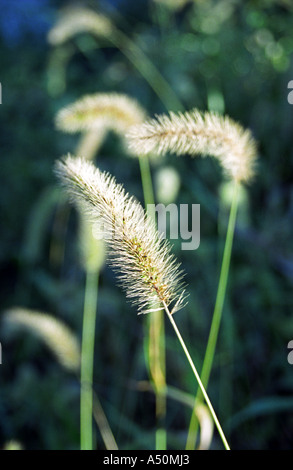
pixel 230 56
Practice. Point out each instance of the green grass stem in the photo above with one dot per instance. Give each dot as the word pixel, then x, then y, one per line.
pixel 217 314
pixel 201 386
pixel 87 360
pixel 147 70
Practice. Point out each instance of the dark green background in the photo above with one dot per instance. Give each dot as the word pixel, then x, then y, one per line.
pixel 231 56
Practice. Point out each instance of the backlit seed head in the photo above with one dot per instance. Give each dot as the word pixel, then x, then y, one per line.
pixel 198 133
pixel 13 445
pixel 147 270
pixel 55 334
pixel 101 112
pixel 74 20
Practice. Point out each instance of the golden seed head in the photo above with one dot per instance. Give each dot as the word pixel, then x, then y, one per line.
pixel 55 334
pixel 74 20
pixel 147 270
pixel 101 112
pixel 198 133
pixel 13 445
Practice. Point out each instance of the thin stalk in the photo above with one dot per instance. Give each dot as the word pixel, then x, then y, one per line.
pixel 102 422
pixel 147 69
pixel 87 360
pixel 156 327
pixel 158 372
pixel 202 388
pixel 147 186
pixel 217 315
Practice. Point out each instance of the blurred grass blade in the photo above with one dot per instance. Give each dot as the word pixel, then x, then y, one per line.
pixel 54 333
pixel 103 425
pixel 37 226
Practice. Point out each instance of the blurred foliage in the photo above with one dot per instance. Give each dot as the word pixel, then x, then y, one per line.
pixel 227 55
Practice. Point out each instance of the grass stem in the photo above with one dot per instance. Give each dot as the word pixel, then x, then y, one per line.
pixel 202 388
pixel 87 360
pixel 148 70
pixel 217 314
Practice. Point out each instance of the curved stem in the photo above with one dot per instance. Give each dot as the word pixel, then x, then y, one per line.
pixel 147 69
pixel 217 315
pixel 202 388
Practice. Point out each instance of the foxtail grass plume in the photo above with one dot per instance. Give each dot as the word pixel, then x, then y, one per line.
pixel 13 445
pixel 108 111
pixel 55 334
pixel 198 133
pixel 147 270
pixel 74 20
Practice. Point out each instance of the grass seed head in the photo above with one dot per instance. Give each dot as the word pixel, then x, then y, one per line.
pixel 55 334
pixel 146 268
pixel 113 111
pixel 74 20
pixel 198 133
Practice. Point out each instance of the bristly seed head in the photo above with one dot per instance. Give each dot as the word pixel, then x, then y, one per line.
pixel 75 20
pixel 113 111
pixel 198 133
pixel 147 270
pixel 58 337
